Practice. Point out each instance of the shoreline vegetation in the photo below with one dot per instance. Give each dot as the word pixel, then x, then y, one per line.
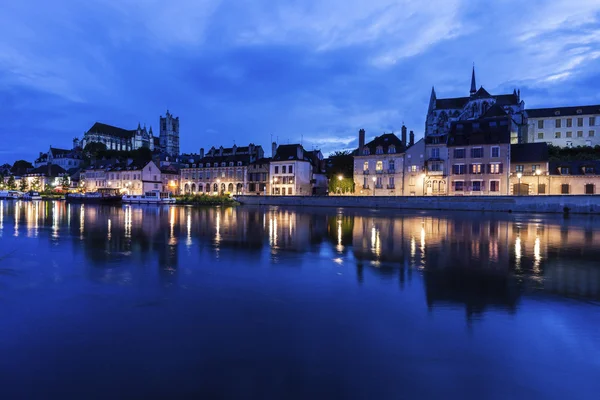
pixel 205 200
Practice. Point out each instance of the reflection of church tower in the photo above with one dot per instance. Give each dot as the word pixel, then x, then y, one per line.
pixel 169 134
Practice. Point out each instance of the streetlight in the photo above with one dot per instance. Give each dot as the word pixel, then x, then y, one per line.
pixel 340 177
pixel 538 172
pixel 374 179
pixel 519 175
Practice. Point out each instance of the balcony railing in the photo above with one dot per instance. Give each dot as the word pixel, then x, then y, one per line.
pixel 378 186
pixel 391 186
pixel 379 171
pixel 435 173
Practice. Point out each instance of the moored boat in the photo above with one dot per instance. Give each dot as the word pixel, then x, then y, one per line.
pixel 152 197
pixel 102 196
pixel 10 195
pixel 32 195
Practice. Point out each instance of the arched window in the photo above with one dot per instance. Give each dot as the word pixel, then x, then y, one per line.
pixel 230 188
pixel 193 188
pixel 222 187
pixel 186 188
pixel 200 188
pixel 208 188
pixel 239 188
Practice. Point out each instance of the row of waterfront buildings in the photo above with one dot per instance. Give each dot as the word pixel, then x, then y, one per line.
pixel 480 144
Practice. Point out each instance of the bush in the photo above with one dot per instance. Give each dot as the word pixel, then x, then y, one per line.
pixel 205 200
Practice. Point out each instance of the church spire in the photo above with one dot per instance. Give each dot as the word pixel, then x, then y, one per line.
pixel 432 100
pixel 473 85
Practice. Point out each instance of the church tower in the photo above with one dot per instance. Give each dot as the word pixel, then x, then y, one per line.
pixel 169 134
pixel 473 85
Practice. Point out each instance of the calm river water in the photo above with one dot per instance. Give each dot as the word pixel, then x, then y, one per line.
pixel 273 303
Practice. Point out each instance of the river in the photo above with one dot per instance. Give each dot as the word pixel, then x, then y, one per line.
pixel 181 302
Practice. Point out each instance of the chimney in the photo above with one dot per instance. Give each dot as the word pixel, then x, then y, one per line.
pixel 273 149
pixel 361 140
pixel 233 149
pixel 221 151
pixel 412 138
pixel 201 152
pixel 403 135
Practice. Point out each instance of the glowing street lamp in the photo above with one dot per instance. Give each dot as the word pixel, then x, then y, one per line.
pixel 538 172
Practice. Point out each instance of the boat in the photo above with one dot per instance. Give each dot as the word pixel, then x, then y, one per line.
pixel 32 195
pixel 152 197
pixel 102 196
pixel 10 195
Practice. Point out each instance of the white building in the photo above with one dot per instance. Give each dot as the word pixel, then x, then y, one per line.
pixel 564 126
pixel 64 158
pixel 295 171
pixel 131 178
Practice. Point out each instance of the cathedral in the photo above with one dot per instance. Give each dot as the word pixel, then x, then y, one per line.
pixel 119 139
pixel 479 104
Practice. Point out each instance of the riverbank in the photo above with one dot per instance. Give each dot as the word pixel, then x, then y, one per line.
pixel 527 204
pixel 204 200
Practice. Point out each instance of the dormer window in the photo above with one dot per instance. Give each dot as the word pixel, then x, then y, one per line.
pixel 200 165
pixel 379 150
pixel 564 170
pixel 239 163
pixel 589 170
pixel 366 151
pixel 579 111
pixel 223 164
pixel 392 149
pixel 207 165
pixel 556 112
pixel 231 163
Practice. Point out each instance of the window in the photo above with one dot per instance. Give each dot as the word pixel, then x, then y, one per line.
pixel 589 170
pixel 592 121
pixel 156 186
pixel 557 135
pixel 569 122
pixel 569 134
pixel 477 152
pixel 476 168
pixel 518 168
pixel 495 168
pixel 379 150
pixel 540 135
pixel 290 191
pixel 557 123
pixel 366 166
pixel 391 182
pixel 365 183
pixel 291 169
pixel 436 166
pixel 392 165
pixel 459 186
pixel 476 186
pixel 458 169
pixel 541 124
pixel 564 170
pixel 589 188
pixel 366 151
pixel 579 133
pixel 541 188
pixel 494 186
pixel 411 181
pixel 569 144
pixel 435 152
pixel 534 168
pixel 412 168
pixel 459 153
pixel 379 166
pixel 392 149
pixel 283 169
pixel 579 121
pixel 276 169
pixel 495 151
pixel 591 134
pixel 564 188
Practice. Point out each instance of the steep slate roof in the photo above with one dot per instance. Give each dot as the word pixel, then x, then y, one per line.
pixel 479 132
pixel 385 141
pixel 459 102
pixel 481 93
pixel 495 111
pixel 575 167
pixel 456 102
pixel 99 127
pixel 562 111
pixel 290 152
pixel 57 152
pixel 529 152
pixel 51 171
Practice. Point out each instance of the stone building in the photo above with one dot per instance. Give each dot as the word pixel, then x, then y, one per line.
pixel 529 168
pixel 295 171
pixel 64 158
pixel 220 171
pixel 119 139
pixel 259 177
pixel 564 126
pixel 169 135
pixel 479 156
pixel 131 177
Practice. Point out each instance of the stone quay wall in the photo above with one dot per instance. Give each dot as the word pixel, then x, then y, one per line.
pixel 577 204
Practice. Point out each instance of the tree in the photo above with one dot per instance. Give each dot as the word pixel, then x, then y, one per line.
pixel 341 164
pixel 35 184
pixel 23 186
pixel 21 167
pixel 12 185
pixel 65 182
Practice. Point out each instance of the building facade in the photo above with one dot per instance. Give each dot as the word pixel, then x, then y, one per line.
pixel 564 126
pixel 64 158
pixel 119 139
pixel 220 171
pixel 130 178
pixel 169 134
pixel 259 177
pixel 296 172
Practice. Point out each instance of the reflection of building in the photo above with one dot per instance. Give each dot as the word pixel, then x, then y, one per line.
pixel 295 171
pixel 564 126
pixel 222 170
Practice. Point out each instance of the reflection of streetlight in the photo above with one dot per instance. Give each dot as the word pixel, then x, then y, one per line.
pixel 519 175
pixel 374 179
pixel 538 172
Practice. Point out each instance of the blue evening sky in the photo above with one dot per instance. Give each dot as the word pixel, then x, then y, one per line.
pixel 243 70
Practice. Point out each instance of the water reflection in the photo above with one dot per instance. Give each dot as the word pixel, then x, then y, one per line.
pixel 470 263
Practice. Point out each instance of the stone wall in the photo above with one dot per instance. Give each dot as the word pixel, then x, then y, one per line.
pixel 530 204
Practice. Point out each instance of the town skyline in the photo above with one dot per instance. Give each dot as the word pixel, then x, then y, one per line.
pixel 304 74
